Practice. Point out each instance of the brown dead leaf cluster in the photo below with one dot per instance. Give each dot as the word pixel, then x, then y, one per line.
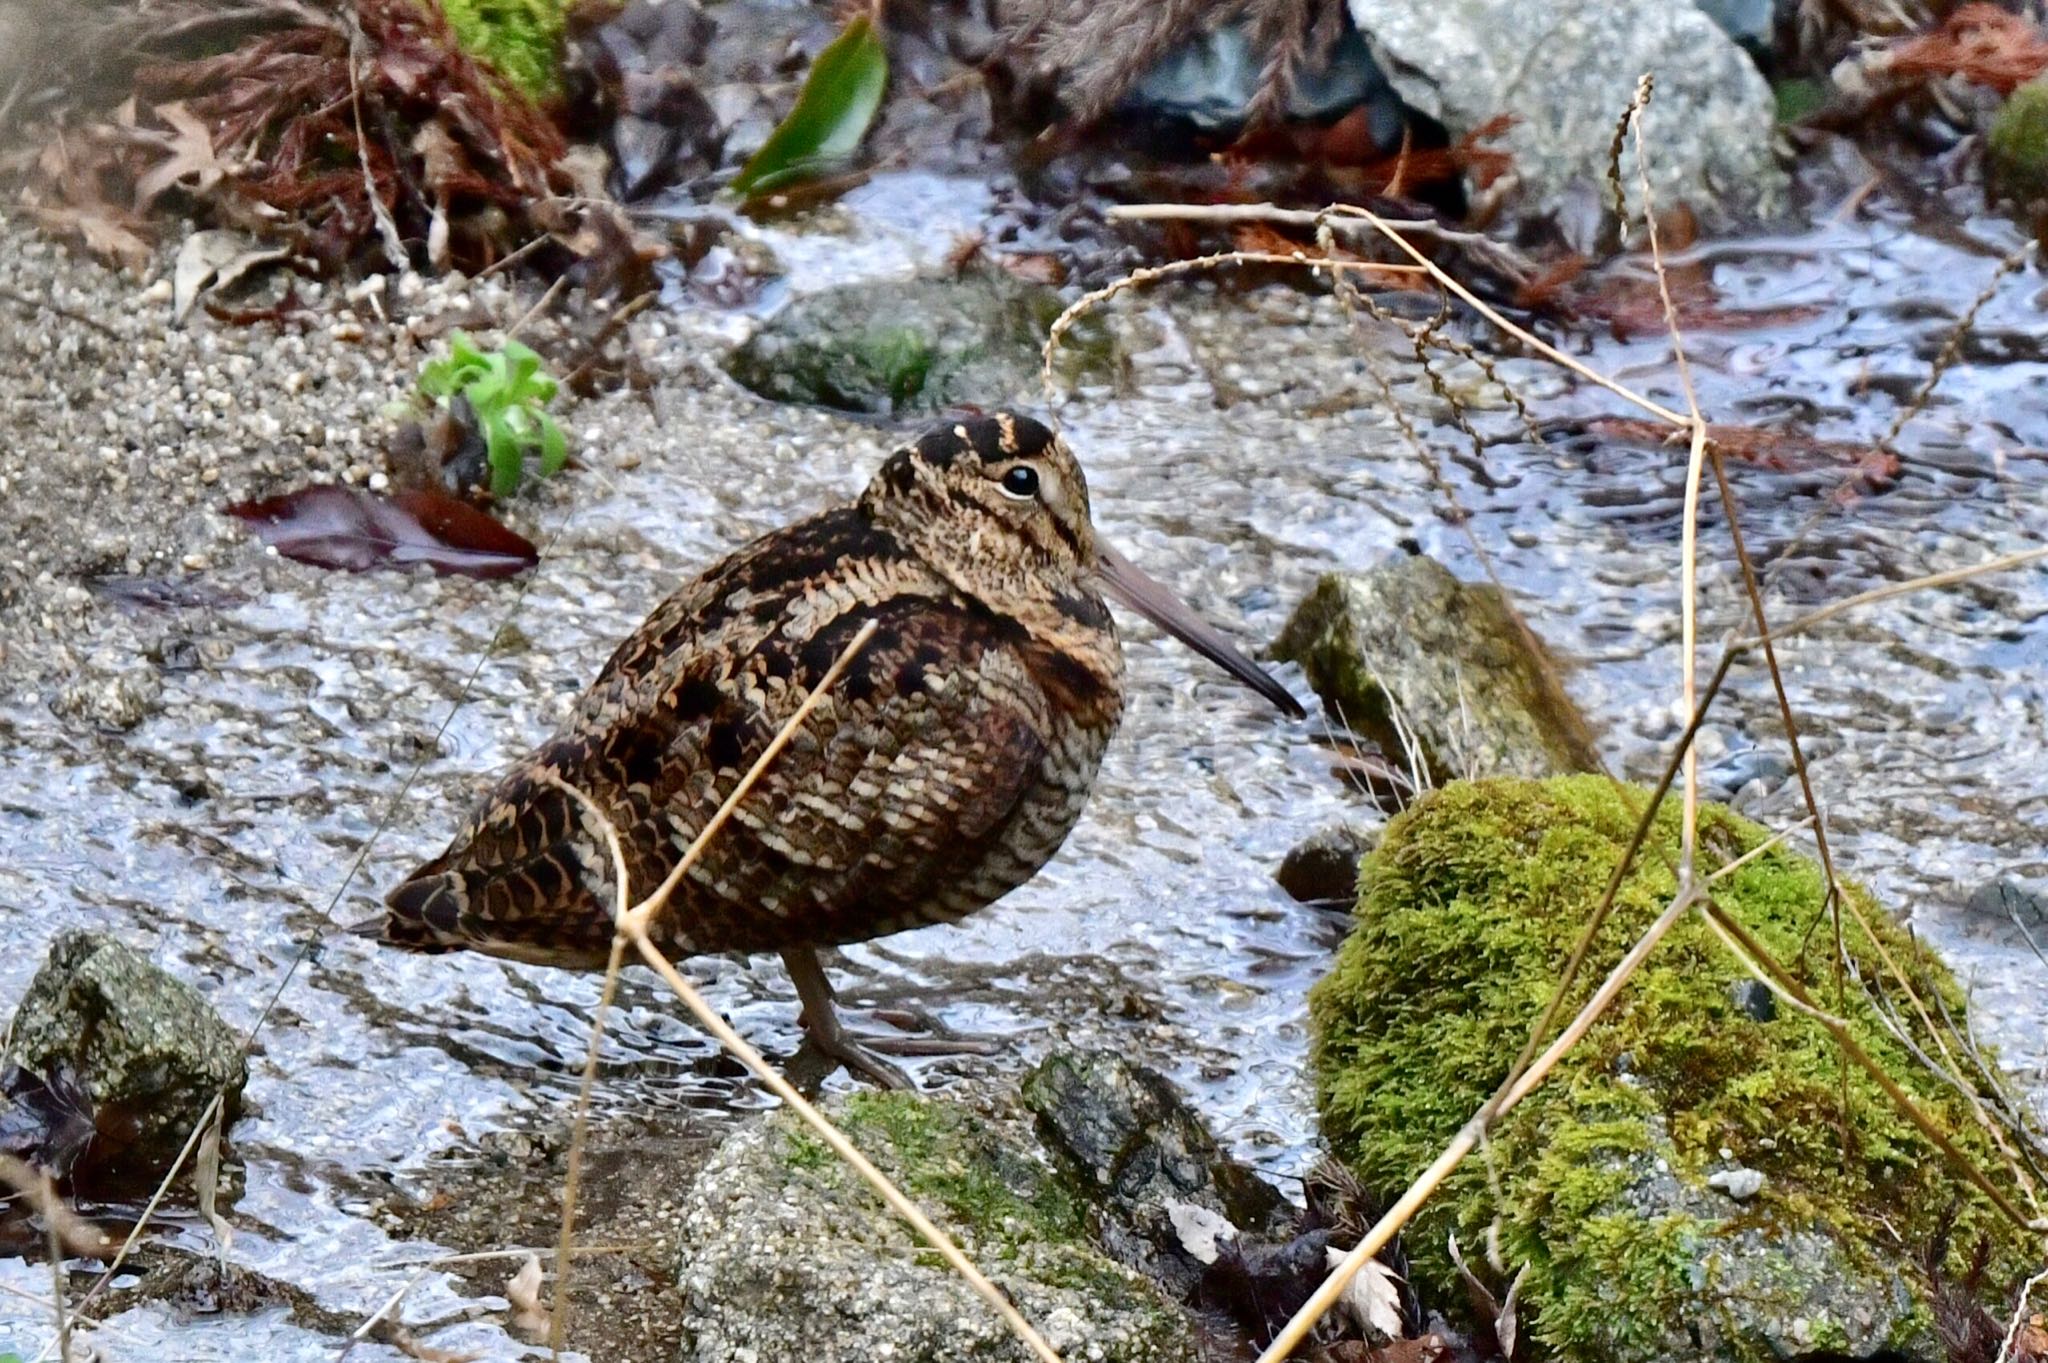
pixel 1780 451
pixel 359 138
pixel 1980 43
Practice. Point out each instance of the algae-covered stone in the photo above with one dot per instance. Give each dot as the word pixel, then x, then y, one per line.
pixel 1604 1178
pixel 2017 144
pixel 917 346
pixel 144 1045
pixel 1412 658
pixel 1146 1156
pixel 786 1254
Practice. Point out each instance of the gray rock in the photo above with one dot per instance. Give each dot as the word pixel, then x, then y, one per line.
pixel 1127 1134
pixel 1407 646
pixel 1740 1184
pixel 145 1046
pixel 1752 23
pixel 1765 1290
pixel 918 346
pixel 1323 869
pixel 2010 908
pixel 1212 80
pixel 785 1255
pixel 1566 69
pixel 113 700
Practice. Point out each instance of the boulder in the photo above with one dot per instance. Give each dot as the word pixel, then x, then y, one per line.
pixel 1323 868
pixel 143 1047
pixel 1422 664
pixel 1679 1187
pixel 785 1254
pixel 918 346
pixel 1146 1158
pixel 1564 70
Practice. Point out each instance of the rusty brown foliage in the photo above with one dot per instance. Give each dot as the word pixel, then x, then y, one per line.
pixel 1982 44
pixel 360 139
pixel 1779 450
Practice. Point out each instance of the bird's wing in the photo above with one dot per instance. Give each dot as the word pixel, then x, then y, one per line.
pixel 889 806
pixel 885 802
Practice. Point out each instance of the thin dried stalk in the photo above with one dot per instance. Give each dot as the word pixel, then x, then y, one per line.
pixel 1689 569
pixel 1470 1135
pixel 1757 959
pixel 1947 578
pixel 633 927
pixel 1088 302
pixel 68 1235
pixel 2019 1315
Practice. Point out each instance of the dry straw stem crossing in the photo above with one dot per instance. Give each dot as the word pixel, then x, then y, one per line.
pixel 1695 464
pixel 1087 302
pixel 632 929
pixel 1524 1076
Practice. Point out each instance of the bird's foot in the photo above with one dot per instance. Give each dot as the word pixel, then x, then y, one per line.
pixel 838 1044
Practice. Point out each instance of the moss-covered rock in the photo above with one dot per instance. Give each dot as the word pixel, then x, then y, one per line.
pixel 1420 662
pixel 918 346
pixel 1144 1156
pixel 2017 144
pixel 785 1254
pixel 1628 1182
pixel 519 39
pixel 146 1048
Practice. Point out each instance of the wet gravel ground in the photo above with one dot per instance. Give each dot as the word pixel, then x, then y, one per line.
pixel 198 738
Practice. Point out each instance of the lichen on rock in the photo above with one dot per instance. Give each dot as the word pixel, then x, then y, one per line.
pixel 785 1253
pixel 919 346
pixel 1471 905
pixel 145 1046
pixel 1433 668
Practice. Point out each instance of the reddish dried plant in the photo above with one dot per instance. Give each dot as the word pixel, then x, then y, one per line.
pixel 1979 42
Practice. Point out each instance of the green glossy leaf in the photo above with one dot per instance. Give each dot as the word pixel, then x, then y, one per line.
pixel 554 446
pixel 501 443
pixel 832 114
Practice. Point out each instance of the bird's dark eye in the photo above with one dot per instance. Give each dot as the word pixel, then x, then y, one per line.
pixel 1021 480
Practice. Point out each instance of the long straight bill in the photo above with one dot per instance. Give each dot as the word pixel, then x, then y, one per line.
pixel 1165 610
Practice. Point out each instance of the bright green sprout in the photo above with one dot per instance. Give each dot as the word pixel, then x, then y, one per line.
pixel 507 390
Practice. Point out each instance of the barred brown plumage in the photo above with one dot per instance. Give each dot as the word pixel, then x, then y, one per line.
pixel 942 771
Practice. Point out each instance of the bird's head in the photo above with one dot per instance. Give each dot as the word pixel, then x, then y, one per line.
pixel 998 506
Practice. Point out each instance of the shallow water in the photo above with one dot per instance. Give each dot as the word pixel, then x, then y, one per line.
pixel 1246 452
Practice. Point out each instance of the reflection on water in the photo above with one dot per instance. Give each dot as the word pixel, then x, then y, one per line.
pixel 1247 453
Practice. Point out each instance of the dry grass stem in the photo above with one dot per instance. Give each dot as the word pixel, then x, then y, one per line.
pixel 1469 1136
pixel 1088 302
pixel 1758 960
pixel 1695 466
pixel 1522 334
pixel 1947 578
pixel 2019 1316
pixel 68 1235
pixel 633 927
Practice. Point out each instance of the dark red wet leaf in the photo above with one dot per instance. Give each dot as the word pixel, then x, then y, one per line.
pixel 348 528
pixel 1778 450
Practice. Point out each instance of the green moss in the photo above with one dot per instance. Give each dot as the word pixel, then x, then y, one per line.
pixel 519 39
pixel 1013 1210
pixel 1471 905
pixel 2017 144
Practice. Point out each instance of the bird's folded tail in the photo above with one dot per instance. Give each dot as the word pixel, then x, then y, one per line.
pixel 423 914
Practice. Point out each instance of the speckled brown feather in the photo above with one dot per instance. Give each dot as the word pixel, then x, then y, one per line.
pixel 944 768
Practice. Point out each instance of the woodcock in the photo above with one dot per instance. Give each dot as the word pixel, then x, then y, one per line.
pixel 941 771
